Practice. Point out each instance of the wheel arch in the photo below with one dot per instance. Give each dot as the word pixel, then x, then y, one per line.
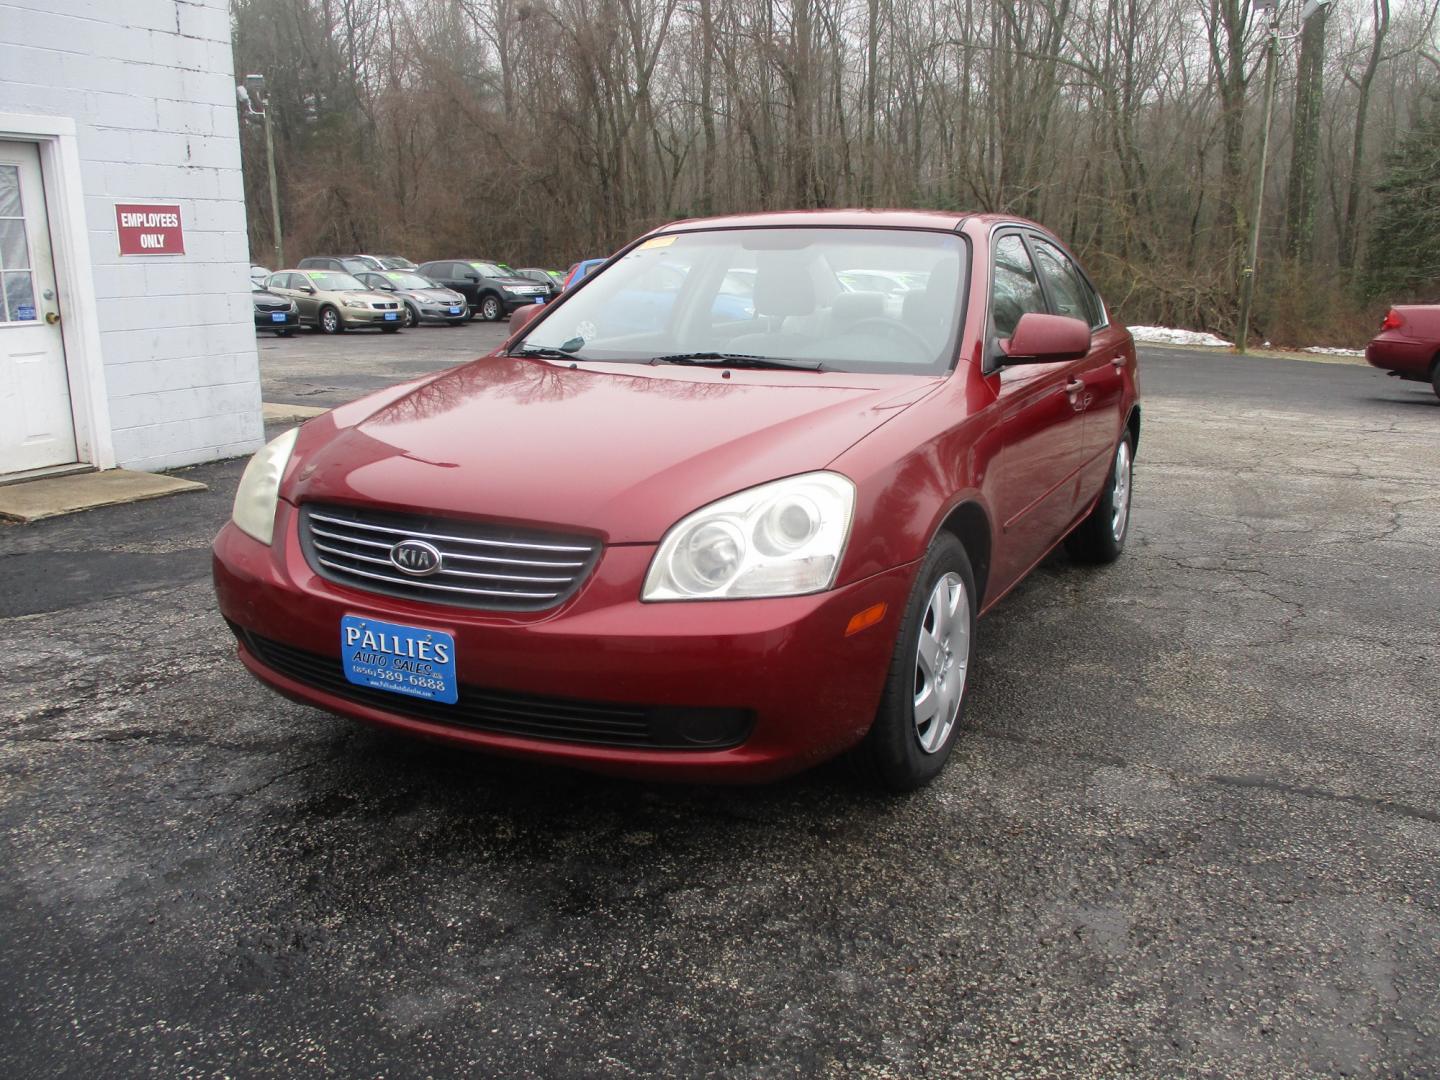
pixel 970 524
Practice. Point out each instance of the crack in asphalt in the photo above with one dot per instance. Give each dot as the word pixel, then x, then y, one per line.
pixel 1236 781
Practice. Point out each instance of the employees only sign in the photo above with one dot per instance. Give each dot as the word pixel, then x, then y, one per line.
pixel 149 229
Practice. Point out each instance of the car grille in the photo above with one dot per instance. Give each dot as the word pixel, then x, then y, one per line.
pixel 385 307
pixel 481 565
pixel 261 305
pixel 523 715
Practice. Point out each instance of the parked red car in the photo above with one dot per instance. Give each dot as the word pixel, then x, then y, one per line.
pixel 695 547
pixel 1408 345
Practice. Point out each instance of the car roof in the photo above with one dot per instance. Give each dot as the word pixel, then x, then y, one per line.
pixel 947 220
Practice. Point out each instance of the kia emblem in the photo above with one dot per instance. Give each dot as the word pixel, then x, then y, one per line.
pixel 415 557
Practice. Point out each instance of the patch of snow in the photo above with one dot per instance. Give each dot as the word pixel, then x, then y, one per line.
pixel 1326 350
pixel 1165 335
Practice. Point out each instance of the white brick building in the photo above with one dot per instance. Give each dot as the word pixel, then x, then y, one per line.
pixel 145 361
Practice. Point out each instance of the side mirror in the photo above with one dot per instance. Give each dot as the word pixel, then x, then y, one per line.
pixel 523 317
pixel 308 289
pixel 1045 339
pixel 472 277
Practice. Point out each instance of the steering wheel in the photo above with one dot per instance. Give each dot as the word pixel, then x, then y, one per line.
pixel 886 326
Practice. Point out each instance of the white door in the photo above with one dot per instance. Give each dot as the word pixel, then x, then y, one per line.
pixel 36 425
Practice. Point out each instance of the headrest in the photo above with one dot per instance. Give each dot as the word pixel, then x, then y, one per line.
pixel 851 307
pixel 921 307
pixel 783 287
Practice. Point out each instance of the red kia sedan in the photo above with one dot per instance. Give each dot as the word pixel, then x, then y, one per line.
pixel 717 514
pixel 1408 344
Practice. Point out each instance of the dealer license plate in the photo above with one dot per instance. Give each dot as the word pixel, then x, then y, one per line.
pixel 539 299
pixel 391 316
pixel 454 310
pixel 401 659
pixel 277 316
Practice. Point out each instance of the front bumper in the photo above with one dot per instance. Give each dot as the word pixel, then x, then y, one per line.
pixel 264 320
pixel 371 317
pixel 809 690
pixel 514 303
pixel 441 312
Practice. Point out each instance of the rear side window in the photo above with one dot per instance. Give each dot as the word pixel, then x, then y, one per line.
pixel 1069 292
pixel 1014 289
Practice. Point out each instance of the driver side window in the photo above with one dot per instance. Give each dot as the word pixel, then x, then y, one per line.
pixel 1014 289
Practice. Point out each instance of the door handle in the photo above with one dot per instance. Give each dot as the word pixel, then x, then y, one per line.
pixel 1074 386
pixel 52 317
pixel 1119 361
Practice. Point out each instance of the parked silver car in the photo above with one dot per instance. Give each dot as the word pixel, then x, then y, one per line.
pixel 332 301
pixel 424 300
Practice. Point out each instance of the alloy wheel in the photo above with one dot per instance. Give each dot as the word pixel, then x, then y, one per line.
pixel 942 657
pixel 1120 492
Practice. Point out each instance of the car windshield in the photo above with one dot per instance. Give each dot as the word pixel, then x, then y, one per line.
pixel 333 280
pixel 395 262
pixel 486 269
pixel 780 294
pixel 408 281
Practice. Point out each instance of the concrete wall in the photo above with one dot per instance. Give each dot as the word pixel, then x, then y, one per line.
pixel 151 87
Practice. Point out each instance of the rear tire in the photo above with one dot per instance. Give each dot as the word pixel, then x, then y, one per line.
pixel 1435 376
pixel 1100 538
pixel 923 702
pixel 330 321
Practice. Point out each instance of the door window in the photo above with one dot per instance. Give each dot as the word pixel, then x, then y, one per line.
pixel 1068 292
pixel 1014 289
pixel 17 281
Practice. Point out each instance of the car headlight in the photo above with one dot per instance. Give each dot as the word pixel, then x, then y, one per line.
pixel 294 308
pixel 255 498
pixel 363 305
pixel 779 539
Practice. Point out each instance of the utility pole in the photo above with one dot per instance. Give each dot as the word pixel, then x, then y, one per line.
pixel 254 89
pixel 1247 272
pixel 1272 49
pixel 274 194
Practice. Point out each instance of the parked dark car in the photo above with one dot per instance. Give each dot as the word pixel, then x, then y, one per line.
pixel 541 277
pixel 711 550
pixel 424 300
pixel 346 264
pixel 275 312
pixel 1408 345
pixel 490 292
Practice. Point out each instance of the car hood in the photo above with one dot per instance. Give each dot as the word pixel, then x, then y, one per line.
pixel 618 450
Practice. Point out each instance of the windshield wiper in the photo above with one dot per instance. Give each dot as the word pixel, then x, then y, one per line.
pixel 564 351
pixel 745 360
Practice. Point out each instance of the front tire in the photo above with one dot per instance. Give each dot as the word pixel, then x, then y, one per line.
pixel 412 316
pixel 924 697
pixel 1100 538
pixel 1435 376
pixel 491 309
pixel 330 321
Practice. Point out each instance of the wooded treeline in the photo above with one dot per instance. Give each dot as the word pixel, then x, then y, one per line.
pixel 543 131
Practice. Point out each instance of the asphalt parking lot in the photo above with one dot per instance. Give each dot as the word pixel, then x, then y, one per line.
pixel 1193 827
